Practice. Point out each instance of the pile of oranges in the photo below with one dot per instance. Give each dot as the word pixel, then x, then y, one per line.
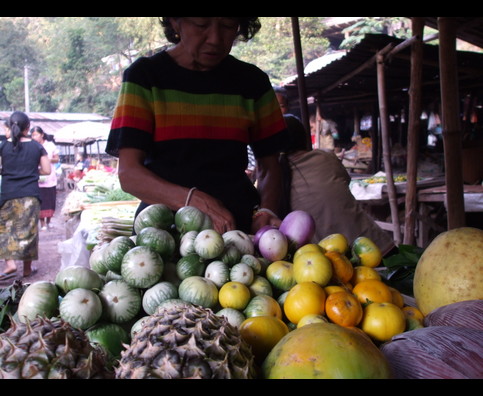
pixel 326 286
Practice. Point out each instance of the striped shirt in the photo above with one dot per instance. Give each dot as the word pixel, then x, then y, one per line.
pixel 195 126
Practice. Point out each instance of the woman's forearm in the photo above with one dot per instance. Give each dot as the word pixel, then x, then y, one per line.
pixel 139 181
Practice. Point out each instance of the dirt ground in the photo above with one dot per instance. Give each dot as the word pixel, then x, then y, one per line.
pixel 49 260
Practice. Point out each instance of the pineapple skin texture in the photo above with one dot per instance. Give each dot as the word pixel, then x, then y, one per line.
pixel 188 342
pixel 45 349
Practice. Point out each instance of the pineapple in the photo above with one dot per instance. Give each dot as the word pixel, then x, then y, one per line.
pixel 186 342
pixel 45 349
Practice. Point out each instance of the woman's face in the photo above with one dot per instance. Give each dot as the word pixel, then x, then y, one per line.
pixel 37 136
pixel 204 41
pixel 7 132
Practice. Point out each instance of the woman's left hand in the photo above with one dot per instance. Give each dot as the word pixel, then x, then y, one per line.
pixel 263 220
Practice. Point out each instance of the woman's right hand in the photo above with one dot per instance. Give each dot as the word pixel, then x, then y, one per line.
pixel 222 218
pixel 154 189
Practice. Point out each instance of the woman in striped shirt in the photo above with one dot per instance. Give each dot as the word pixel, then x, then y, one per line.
pixel 184 119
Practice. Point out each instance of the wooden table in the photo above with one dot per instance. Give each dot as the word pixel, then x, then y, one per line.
pixel 473 195
pixel 401 189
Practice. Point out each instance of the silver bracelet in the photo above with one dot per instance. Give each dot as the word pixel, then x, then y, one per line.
pixel 190 193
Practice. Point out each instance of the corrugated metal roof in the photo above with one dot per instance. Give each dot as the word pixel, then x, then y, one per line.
pixel 52 122
pixel 469 29
pixel 337 82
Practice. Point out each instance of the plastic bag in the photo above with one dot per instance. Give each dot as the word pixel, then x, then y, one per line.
pixel 74 251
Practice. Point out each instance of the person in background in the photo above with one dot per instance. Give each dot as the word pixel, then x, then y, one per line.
pixel 325 131
pixel 23 159
pixel 83 160
pixel 77 174
pixel 47 184
pixel 183 121
pixel 316 182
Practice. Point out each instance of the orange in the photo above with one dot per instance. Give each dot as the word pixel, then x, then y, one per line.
pixel 333 289
pixel 262 333
pixel 309 247
pixel 280 275
pixel 382 321
pixel 413 313
pixel 303 299
pixel 362 272
pixel 414 318
pixel 344 309
pixel 397 297
pixel 372 290
pixel 263 305
pixel 234 295
pixel 347 286
pixel 311 318
pixel 342 269
pixel 312 267
pixel 337 242
pixel 366 252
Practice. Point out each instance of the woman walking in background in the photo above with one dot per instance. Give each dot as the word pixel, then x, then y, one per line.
pixel 22 159
pixel 47 184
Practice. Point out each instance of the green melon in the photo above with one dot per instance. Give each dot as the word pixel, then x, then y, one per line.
pixel 156 215
pixel 159 240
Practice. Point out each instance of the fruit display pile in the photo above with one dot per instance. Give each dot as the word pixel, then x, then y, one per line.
pixel 179 300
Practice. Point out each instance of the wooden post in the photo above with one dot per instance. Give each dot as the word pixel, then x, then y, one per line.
pixel 386 146
pixel 376 142
pixel 414 126
pixel 301 78
pixel 452 139
pixel 357 122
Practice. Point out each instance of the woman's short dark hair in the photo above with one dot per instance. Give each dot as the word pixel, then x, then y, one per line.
pixel 249 26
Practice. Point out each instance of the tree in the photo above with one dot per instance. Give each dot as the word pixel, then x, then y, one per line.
pixel 399 27
pixel 16 51
pixel 76 63
pixel 272 48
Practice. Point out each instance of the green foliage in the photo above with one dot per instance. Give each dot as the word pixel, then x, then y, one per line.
pixel 272 49
pixel 15 51
pixel 9 299
pixel 76 63
pixel 399 27
pixel 400 267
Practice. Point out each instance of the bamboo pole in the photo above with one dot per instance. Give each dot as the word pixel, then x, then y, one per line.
pixel 414 126
pixel 386 145
pixel 452 134
pixel 301 79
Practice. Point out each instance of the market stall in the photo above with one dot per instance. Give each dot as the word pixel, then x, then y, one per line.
pixel 434 200
pixel 389 78
pixel 372 192
pixel 87 137
pixel 184 301
pixel 82 133
pixel 97 211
